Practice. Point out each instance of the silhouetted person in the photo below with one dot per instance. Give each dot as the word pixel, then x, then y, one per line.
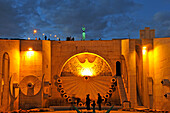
pixel 72 39
pixel 88 102
pixel 59 39
pixel 99 101
pixel 39 38
pixel 78 101
pixel 93 106
pixel 45 37
pixel 49 39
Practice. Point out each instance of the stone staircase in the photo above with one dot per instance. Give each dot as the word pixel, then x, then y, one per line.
pixel 121 89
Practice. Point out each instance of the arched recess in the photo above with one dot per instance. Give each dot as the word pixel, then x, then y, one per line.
pixel 139 75
pixel 82 60
pixel 86 73
pixel 4 90
pixel 118 68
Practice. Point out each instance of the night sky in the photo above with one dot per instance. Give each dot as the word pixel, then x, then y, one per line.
pixel 105 19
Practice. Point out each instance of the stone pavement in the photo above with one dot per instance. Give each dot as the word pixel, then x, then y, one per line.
pixel 103 111
pixel 67 109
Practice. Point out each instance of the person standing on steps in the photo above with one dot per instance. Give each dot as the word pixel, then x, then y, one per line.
pixel 88 102
pixel 93 106
pixel 99 101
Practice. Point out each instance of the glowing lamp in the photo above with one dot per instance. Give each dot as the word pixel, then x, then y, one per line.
pixel 55 35
pixel 30 49
pixel 35 31
pixel 43 34
pixel 28 38
pixel 144 50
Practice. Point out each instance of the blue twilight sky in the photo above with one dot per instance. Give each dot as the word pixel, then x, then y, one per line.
pixel 105 19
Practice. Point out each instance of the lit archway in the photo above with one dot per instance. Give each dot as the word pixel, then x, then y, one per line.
pixel 85 73
pixel 86 64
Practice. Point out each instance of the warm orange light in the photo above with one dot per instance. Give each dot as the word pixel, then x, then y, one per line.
pixel 55 35
pixel 28 38
pixel 86 72
pixel 29 53
pixel 43 34
pixel 144 50
pixel 86 64
pixel 35 31
pixel 30 49
pixel 2 82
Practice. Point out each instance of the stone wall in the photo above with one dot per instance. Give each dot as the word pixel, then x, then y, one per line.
pixel 161 71
pixel 63 50
pixel 30 65
pixel 129 53
pixel 11 47
pixel 48 58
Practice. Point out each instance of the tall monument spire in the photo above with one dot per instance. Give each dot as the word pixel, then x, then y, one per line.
pixel 83 34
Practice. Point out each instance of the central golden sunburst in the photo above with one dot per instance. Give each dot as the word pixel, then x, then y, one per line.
pixel 86 72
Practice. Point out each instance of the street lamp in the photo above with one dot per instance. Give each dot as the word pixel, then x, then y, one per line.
pixel 35 31
pixel 43 35
pixel 55 36
pixel 30 49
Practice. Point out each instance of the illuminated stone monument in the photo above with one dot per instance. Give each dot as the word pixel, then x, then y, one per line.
pixel 41 73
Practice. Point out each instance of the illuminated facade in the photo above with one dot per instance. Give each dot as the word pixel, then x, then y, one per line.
pixel 41 73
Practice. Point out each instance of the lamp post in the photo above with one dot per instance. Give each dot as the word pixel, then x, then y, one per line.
pixel 55 36
pixel 35 31
pixel 43 36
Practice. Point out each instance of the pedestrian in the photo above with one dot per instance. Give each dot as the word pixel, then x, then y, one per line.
pixel 88 102
pixel 45 37
pixel 99 101
pixel 78 101
pixel 72 39
pixel 93 106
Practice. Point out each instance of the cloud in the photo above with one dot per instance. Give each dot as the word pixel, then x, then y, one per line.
pixel 93 14
pixel 161 21
pixel 66 17
pixel 9 22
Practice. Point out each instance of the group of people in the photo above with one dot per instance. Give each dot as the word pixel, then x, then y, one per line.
pixel 45 38
pixel 99 101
